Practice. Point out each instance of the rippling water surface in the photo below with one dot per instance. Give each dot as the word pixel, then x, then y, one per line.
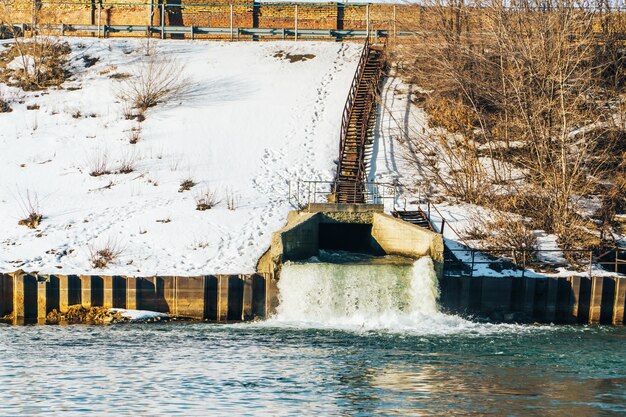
pixel 280 369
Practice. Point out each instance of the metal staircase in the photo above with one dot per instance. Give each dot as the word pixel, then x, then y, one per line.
pixel 357 125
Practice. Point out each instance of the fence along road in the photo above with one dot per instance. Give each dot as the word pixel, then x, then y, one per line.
pixel 219 20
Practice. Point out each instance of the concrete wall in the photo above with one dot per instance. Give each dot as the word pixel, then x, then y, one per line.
pixel 562 300
pixel 398 237
pixel 300 238
pixel 29 298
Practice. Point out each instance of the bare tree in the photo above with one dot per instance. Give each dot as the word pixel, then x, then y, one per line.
pixel 527 94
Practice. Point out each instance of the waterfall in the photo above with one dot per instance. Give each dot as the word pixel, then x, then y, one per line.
pixel 358 294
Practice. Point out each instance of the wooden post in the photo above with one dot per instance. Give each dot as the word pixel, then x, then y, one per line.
pixel 231 22
pixel 296 23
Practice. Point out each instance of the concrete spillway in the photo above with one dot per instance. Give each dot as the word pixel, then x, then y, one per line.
pixel 349 227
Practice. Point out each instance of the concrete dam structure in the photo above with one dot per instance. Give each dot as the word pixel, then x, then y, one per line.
pixel 295 279
pixel 361 228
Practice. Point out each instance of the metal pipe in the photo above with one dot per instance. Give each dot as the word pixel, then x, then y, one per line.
pixel 367 11
pixel 395 33
pixel 231 22
pixel 296 23
pixel 162 19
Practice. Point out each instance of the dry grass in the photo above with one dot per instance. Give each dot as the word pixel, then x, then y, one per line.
pixel 206 200
pixel 530 102
pixel 128 162
pixel 134 135
pixel 31 210
pixel 4 104
pixel 42 63
pixel 186 185
pixel 100 256
pixel 99 164
pixel 232 199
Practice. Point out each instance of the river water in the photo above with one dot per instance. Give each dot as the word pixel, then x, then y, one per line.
pixel 378 349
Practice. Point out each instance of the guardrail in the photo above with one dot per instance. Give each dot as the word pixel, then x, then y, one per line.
pixel 525 262
pixel 234 33
pixel 348 106
pixel 302 193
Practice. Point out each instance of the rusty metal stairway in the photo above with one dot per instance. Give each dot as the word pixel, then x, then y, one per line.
pixel 357 125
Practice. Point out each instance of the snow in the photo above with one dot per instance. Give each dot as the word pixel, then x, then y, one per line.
pixel 26 63
pixel 254 122
pixel 139 315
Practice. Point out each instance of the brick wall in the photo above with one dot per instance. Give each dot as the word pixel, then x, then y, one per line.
pixel 246 14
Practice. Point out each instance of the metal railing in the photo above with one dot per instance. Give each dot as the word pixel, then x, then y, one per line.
pixel 234 33
pixel 285 20
pixel 303 193
pixel 349 104
pixel 529 262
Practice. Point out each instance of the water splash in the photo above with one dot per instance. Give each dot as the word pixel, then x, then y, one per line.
pixel 368 297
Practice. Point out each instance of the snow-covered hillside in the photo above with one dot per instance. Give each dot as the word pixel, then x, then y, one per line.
pixel 254 121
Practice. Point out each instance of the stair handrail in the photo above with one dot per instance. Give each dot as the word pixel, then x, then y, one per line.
pixel 349 105
pixel 373 89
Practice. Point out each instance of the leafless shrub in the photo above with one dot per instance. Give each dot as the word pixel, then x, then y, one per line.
pixel 4 104
pixel 32 107
pixel 119 76
pixel 77 114
pixel 155 80
pixel 99 164
pixel 128 111
pixel 41 60
pixel 508 231
pixel 31 210
pixel 232 199
pixel 127 163
pixel 206 200
pixel 101 255
pixel 134 135
pixel 186 185
pixel 199 244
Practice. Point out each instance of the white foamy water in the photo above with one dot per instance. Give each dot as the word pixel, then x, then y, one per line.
pixel 395 298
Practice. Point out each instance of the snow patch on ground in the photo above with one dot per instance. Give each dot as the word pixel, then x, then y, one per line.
pixel 139 315
pixel 254 122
